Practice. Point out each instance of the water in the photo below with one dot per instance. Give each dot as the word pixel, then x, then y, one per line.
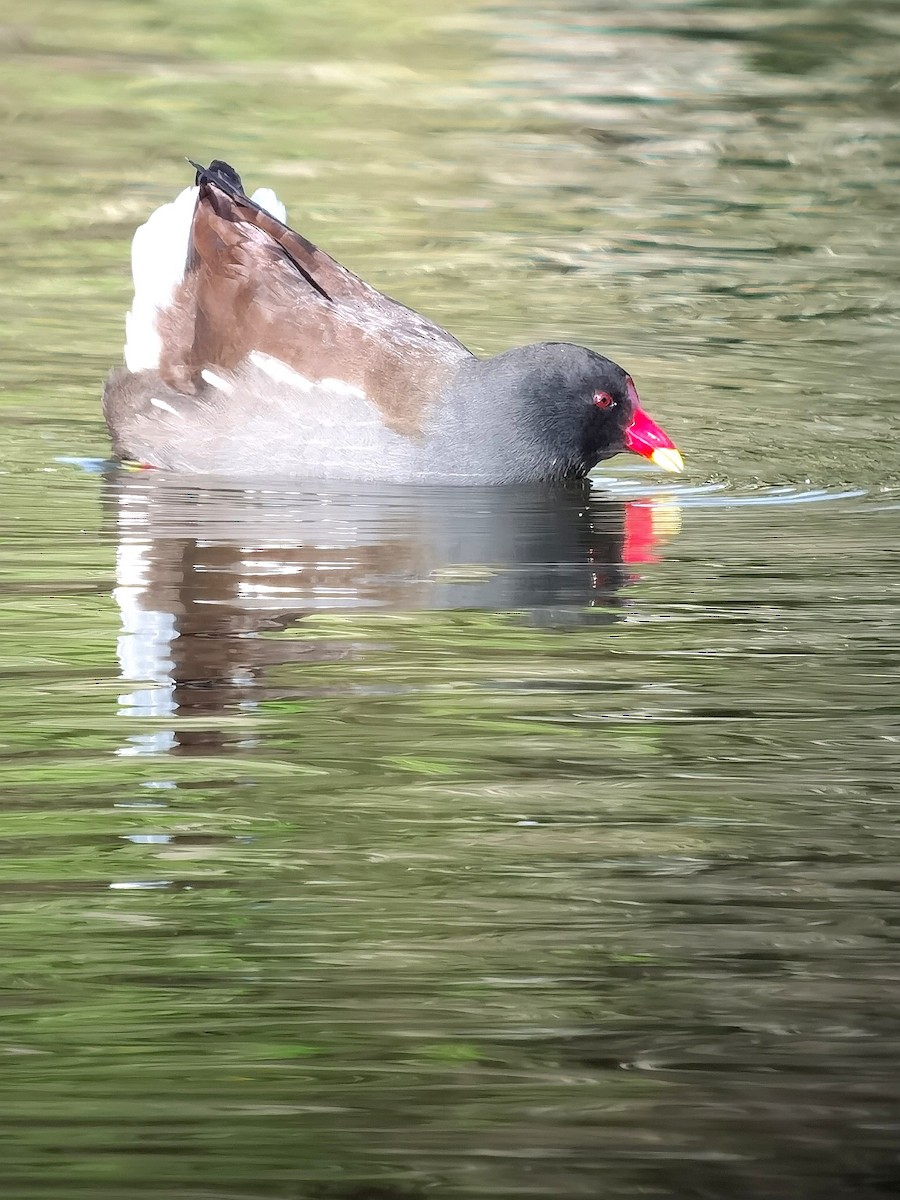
pixel 378 844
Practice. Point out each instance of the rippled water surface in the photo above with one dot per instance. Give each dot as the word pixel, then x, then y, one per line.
pixel 382 844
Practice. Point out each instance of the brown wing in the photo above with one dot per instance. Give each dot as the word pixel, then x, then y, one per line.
pixel 253 284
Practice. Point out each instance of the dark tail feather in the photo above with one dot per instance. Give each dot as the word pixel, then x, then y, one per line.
pixel 224 177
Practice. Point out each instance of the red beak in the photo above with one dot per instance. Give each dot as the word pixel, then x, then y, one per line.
pixel 645 437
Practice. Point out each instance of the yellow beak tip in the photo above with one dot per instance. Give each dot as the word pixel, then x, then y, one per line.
pixel 668 460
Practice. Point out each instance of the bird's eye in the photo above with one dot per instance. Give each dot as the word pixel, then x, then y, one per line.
pixel 603 400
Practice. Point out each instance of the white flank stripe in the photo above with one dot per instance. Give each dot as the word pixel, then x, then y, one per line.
pixel 278 371
pixel 216 381
pixel 164 404
pixel 340 385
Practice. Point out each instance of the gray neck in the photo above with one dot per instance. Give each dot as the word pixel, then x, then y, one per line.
pixel 501 422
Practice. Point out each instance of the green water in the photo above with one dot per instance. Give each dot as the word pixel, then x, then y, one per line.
pixel 389 844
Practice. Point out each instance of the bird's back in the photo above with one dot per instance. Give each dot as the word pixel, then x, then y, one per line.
pixel 251 350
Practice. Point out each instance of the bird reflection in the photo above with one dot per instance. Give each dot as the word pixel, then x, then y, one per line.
pixel 205 571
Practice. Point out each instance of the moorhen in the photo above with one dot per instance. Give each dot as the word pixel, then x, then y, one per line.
pixel 249 351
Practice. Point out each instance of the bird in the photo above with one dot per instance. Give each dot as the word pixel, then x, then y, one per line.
pixel 250 352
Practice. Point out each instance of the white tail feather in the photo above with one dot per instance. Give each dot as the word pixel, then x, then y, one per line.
pixel 158 256
pixel 267 199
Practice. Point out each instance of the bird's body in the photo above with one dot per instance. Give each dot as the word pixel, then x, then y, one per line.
pixel 252 352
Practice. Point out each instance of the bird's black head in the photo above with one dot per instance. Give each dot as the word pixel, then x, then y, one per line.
pixel 573 408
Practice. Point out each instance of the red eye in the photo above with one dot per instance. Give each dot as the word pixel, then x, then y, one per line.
pixel 603 400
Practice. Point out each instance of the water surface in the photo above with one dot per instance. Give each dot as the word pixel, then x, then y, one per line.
pixel 377 843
